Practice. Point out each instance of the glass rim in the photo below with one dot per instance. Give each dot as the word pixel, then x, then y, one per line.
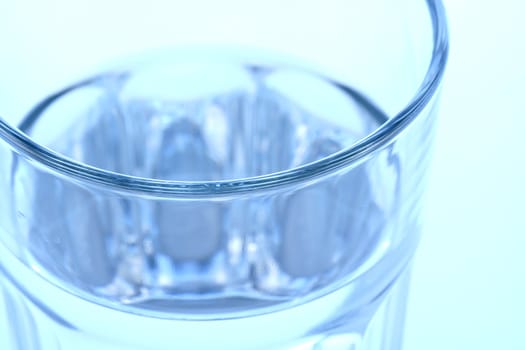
pixel 24 145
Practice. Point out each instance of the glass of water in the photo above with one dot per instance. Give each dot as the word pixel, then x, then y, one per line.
pixel 213 175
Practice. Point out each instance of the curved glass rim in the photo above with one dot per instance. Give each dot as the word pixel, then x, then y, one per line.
pixel 24 145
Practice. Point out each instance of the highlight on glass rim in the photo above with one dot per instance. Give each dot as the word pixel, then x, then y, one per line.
pixel 229 175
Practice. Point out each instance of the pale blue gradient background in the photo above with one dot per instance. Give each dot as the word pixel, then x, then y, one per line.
pixel 468 283
pixel 468 288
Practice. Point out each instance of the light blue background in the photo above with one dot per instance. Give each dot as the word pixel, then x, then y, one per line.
pixel 468 287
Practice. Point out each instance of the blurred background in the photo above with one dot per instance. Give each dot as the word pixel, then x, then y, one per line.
pixel 468 284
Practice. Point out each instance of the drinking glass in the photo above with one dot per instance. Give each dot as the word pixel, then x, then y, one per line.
pixel 213 175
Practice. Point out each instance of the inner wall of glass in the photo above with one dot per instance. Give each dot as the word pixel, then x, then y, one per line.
pixel 204 114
